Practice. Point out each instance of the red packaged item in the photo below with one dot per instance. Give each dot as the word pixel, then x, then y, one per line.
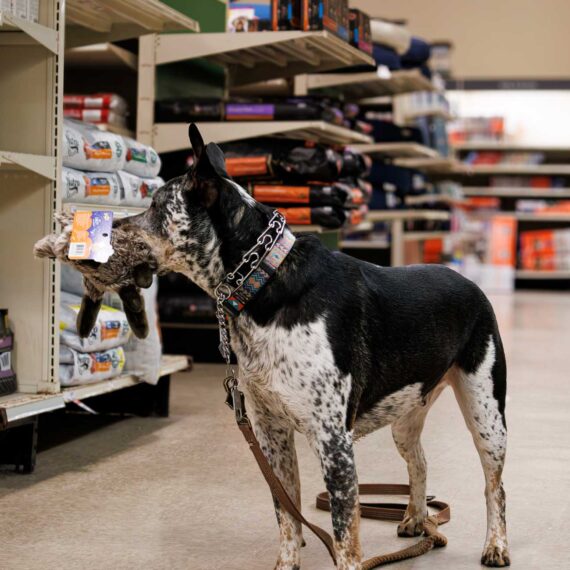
pixel 248 166
pixel 96 101
pixel 99 116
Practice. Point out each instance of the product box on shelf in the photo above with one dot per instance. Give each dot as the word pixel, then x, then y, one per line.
pixel 25 9
pixel 260 15
pixel 7 377
pixel 330 15
pixel 360 34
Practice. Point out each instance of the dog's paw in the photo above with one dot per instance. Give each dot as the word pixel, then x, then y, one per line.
pixel 281 566
pixel 495 556
pixel 411 526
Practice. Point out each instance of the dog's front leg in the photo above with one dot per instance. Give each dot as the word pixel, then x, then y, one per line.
pixel 333 445
pixel 277 441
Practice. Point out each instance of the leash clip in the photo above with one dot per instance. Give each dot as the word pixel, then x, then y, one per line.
pixel 235 399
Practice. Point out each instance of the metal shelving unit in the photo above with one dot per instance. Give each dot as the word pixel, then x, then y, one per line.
pixel 31 95
pixel 521 169
pixel 247 58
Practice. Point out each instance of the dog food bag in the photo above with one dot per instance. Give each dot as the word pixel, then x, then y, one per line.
pixel 85 147
pixel 137 191
pixel 111 328
pixel 327 216
pixel 91 187
pixel 338 194
pixel 77 368
pixel 102 116
pixel 141 159
pixel 110 101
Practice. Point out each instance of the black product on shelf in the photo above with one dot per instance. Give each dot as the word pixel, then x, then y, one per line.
pixel 281 15
pixel 326 216
pixel 360 34
pixel 339 195
pixel 330 15
pixel 297 109
pixel 355 164
pixel 289 161
pixel 8 383
pixel 285 110
pixel 178 110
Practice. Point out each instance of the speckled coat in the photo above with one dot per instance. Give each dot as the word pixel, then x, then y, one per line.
pixel 336 348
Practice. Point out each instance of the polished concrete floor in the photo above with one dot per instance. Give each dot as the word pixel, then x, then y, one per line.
pixel 184 492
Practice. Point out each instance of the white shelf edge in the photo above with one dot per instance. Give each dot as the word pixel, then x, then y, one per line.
pixel 517 192
pixel 422 236
pixel 364 244
pixel 18 406
pixel 507 147
pixel 42 34
pixel 391 215
pixel 39 164
pixel 101 55
pixel 542 216
pixel 537 274
pixel 118 210
pixel 398 149
pixel 169 137
pixel 439 164
pixel 525 169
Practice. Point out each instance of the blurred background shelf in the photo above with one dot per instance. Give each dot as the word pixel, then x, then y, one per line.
pixel 531 274
pixel 104 55
pixel 257 56
pixel 103 21
pixel 397 150
pixel 516 192
pixel 169 137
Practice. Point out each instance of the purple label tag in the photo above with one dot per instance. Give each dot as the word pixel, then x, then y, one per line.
pixel 250 111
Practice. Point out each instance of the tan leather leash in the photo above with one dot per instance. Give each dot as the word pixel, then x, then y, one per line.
pixel 380 511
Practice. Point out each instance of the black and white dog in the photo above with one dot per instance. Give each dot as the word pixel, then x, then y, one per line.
pixel 336 348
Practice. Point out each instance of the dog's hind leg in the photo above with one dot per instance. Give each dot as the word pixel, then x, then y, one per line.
pixel 480 391
pixel 277 441
pixel 333 445
pixel 406 432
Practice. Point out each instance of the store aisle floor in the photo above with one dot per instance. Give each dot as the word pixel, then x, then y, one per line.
pixel 184 492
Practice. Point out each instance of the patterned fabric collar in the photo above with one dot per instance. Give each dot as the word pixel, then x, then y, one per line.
pixel 257 266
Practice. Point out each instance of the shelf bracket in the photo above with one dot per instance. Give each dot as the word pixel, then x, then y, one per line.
pixel 42 165
pixel 42 34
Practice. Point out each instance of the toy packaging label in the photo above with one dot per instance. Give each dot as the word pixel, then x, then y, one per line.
pixel 91 236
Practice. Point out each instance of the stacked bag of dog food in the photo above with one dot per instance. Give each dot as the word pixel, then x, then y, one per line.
pixel 110 349
pixel 104 109
pixel 308 183
pixel 104 168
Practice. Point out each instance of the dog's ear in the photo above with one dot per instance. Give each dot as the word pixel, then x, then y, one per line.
pixel 196 140
pixel 209 167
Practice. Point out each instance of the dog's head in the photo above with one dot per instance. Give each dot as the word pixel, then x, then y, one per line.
pixel 199 224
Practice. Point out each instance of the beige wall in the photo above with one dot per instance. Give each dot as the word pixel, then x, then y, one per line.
pixel 492 38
